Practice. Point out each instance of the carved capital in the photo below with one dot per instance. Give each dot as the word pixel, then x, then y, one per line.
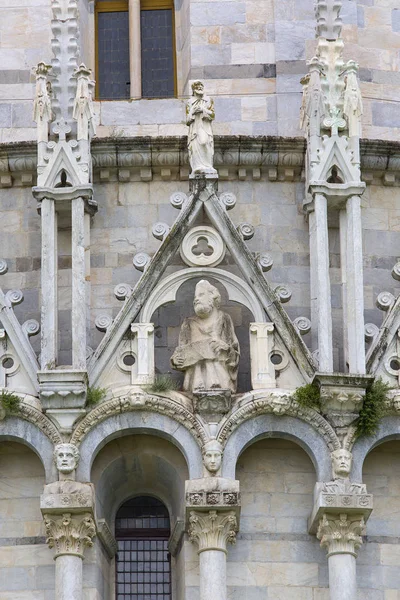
pixel 212 530
pixel 69 534
pixel 341 534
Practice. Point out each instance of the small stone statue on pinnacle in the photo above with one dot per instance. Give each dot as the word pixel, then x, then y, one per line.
pixel 199 114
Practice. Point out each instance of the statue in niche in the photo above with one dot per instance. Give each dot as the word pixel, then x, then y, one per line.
pixel 341 466
pixel 212 456
pixel 199 114
pixel 208 350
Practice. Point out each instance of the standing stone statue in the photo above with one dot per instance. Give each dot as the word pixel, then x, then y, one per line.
pixel 199 114
pixel 208 350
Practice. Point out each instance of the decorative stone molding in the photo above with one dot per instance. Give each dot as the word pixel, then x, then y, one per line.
pixel 341 534
pixel 136 400
pixel 40 420
pixel 212 530
pixel 279 403
pixel 106 537
pixel 212 404
pixel 69 534
pixel 216 493
pixel 176 537
pixel 378 157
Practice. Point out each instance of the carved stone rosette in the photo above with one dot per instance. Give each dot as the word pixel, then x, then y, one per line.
pixel 212 530
pixel 69 534
pixel 341 534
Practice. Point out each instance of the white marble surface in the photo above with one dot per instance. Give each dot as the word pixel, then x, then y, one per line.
pixel 212 575
pixel 342 577
pixel 69 578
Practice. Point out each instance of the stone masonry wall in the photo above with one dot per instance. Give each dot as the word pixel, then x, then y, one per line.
pixel 26 563
pixel 251 54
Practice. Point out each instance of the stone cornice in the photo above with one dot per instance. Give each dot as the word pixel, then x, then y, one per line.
pixel 242 157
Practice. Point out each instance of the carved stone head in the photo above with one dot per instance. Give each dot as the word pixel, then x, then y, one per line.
pixel 66 457
pixel 198 88
pixel 212 456
pixel 206 297
pixel 341 463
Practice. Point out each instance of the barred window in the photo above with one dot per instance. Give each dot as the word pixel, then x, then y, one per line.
pixel 143 565
pixel 150 33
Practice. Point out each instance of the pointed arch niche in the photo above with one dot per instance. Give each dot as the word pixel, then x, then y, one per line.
pixel 238 300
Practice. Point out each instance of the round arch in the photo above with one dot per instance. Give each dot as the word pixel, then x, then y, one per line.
pixel 269 425
pixel 14 429
pixel 139 422
pixel 237 289
pixel 388 430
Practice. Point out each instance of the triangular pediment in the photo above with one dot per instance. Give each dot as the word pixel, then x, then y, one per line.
pixel 15 345
pixel 335 154
pixel 204 197
pixel 62 169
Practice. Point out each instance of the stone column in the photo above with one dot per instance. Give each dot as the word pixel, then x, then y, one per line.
pixel 135 58
pixel 212 531
pixel 68 511
pixel 355 287
pixel 145 353
pixel 320 283
pixel 49 326
pixel 69 535
pixel 78 285
pixel 341 534
pixel 343 272
pixel 261 345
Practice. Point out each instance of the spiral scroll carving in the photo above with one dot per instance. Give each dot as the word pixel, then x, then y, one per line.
pixel 385 301
pixel 178 199
pixel 228 199
pixel 396 271
pixel 284 293
pixel 141 260
pixel 3 267
pixel 15 297
pixel 160 230
pixel 246 230
pixel 265 262
pixel 370 332
pixel 303 325
pixel 122 291
pixel 103 322
pixel 31 327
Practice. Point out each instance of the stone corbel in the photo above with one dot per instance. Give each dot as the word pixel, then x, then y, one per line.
pixel 261 345
pixel 212 494
pixel 144 333
pixel 342 396
pixel 63 395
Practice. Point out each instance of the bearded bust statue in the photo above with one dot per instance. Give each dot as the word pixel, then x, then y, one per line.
pixel 208 350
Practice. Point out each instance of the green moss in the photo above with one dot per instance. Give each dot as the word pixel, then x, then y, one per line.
pixel 308 396
pixel 373 407
pixel 163 383
pixel 9 401
pixel 95 395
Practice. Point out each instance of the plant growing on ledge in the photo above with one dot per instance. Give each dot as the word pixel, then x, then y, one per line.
pixel 94 395
pixel 308 396
pixel 9 401
pixel 373 408
pixel 163 383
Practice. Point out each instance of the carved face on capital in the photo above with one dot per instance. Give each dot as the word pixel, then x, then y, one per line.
pixel 66 457
pixel 206 297
pixel 341 463
pixel 212 455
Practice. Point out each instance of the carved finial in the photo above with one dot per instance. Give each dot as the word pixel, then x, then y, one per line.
pixel 83 111
pixel 352 106
pixel 42 112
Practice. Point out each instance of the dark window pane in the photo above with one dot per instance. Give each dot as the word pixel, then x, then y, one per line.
pixel 113 55
pixel 157 53
pixel 143 562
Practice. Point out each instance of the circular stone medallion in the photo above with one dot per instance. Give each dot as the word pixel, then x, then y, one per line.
pixel 202 247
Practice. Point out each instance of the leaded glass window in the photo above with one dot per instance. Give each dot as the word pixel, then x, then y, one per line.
pixel 143 565
pixel 113 51
pixel 157 53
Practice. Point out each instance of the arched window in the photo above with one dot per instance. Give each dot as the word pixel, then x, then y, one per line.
pixel 143 565
pixel 135 49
